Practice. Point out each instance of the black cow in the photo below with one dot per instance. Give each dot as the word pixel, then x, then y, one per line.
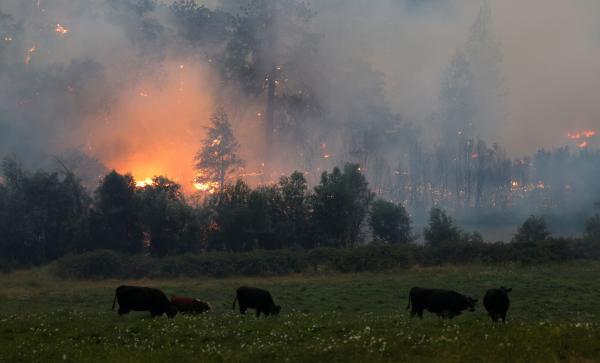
pixel 496 303
pixel 261 300
pixel 143 299
pixel 445 303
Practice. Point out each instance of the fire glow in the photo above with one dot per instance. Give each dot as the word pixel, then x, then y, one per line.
pixel 581 137
pixel 61 29
pixel 209 187
pixel 587 134
pixel 157 134
pixel 144 182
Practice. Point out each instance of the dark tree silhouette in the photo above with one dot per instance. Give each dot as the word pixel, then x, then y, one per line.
pixel 340 203
pixel 116 215
pixel 534 229
pixel 441 228
pixel 390 222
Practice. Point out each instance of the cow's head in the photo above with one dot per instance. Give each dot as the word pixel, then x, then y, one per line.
pixel 171 311
pixel 505 289
pixel 276 310
pixel 471 303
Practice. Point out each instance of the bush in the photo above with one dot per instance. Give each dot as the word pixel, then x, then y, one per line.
pixel 374 257
pixel 99 264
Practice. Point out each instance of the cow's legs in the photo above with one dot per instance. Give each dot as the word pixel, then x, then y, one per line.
pixel 123 311
pixel 242 310
pixel 257 313
pixel 503 316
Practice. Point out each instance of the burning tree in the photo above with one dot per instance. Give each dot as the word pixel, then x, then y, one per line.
pixel 218 157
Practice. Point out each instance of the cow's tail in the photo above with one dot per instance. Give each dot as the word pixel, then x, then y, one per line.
pixel 233 306
pixel 115 299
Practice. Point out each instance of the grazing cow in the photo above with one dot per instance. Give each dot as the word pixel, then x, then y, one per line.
pixel 496 303
pixel 190 305
pixel 445 303
pixel 261 300
pixel 143 299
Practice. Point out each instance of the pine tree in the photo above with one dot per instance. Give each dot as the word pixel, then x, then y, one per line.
pixel 218 157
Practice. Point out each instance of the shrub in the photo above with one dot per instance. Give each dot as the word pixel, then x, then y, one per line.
pixel 99 264
pixel 373 257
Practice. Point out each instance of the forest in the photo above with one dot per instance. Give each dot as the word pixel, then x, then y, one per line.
pixel 236 127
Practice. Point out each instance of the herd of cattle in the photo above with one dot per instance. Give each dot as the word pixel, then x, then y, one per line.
pixel 444 303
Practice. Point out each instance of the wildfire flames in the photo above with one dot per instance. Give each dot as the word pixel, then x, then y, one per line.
pixel 581 137
pixel 209 187
pixel 587 134
pixel 61 29
pixel 156 131
pixel 144 182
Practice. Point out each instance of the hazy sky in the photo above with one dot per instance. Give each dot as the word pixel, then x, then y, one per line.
pixel 550 62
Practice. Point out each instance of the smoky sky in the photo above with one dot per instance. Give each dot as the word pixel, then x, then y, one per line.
pixel 94 85
pixel 548 67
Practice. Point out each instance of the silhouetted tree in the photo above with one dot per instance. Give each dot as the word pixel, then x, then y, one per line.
pixel 441 228
pixel 592 228
pixel 231 218
pixel 295 226
pixel 340 203
pixel 165 217
pixel 218 157
pixel 534 229
pixel 42 215
pixel 116 215
pixel 390 222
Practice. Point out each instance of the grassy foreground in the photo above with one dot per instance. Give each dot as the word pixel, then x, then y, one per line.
pixel 336 318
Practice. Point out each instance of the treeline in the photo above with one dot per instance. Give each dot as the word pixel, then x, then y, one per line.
pixel 47 215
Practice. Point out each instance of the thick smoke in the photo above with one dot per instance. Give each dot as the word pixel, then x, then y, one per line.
pixel 548 51
pixel 131 84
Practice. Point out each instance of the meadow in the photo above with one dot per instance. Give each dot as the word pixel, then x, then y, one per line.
pixel 325 317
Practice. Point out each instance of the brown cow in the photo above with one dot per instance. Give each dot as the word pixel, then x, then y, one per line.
pixel 185 304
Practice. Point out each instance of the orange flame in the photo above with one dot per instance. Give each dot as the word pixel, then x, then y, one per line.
pixel 586 134
pixel 209 187
pixel 158 134
pixel 61 29
pixel 143 182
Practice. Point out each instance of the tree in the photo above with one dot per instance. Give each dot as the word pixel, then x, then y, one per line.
pixel 534 229
pixel 390 222
pixel 218 158
pixel 340 203
pixel 116 215
pixel 457 110
pixel 295 227
pixel 165 217
pixel 592 228
pixel 230 220
pixel 441 228
pixel 42 215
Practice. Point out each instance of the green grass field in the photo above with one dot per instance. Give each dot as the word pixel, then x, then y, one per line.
pixel 335 318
